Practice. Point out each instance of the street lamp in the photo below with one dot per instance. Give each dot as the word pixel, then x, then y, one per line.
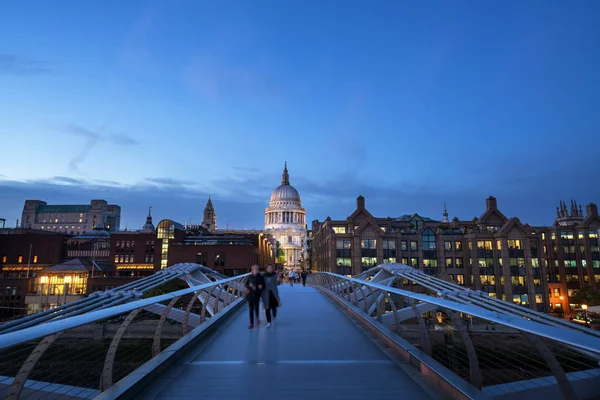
pixel 584 307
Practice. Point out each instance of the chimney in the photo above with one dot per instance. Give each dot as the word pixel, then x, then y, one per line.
pixel 360 202
pixel 591 210
pixel 490 203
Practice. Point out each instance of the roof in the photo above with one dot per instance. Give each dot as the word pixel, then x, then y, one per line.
pixel 93 234
pixel 75 265
pixel 78 265
pixel 76 208
pixel 413 217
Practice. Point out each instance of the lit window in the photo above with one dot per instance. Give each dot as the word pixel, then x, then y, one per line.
pixel 55 220
pixel 3 259
pixel 80 220
pixel 42 227
pixel 20 260
pixel 35 258
pixel 339 229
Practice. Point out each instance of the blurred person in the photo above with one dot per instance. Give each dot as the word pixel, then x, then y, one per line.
pixel 270 294
pixel 304 274
pixel 255 284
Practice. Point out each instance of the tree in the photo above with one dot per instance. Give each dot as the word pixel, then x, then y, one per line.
pixel 280 255
pixel 587 295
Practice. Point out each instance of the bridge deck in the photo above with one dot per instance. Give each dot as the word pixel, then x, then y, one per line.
pixel 313 351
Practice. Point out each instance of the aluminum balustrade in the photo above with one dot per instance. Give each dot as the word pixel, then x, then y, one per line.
pixel 482 352
pixel 85 355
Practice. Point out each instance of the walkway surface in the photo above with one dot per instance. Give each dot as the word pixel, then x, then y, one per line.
pixel 312 351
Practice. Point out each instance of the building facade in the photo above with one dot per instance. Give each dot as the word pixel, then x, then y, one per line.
pixel 537 267
pixel 23 254
pixel 285 220
pixel 229 252
pixel 210 218
pixel 71 219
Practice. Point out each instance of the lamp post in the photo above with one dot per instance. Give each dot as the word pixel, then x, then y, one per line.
pixel 584 307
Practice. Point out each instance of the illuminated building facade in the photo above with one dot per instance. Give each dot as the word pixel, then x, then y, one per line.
pixel 71 219
pixel 285 220
pixel 531 266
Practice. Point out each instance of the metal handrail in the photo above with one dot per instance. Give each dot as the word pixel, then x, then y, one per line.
pixel 569 337
pixel 36 332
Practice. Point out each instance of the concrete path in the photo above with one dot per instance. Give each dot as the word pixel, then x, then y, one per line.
pixel 312 351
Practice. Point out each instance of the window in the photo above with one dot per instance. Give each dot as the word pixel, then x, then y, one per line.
pixel 448 262
pixel 368 261
pixel 459 262
pixel 428 237
pixel 430 263
pixel 4 259
pixel 413 245
pixel 404 245
pixel 460 279
pixel 414 262
pixel 447 246
pixel 20 259
pixel 289 239
pixel 389 251
pixel 343 253
pixel 487 279
pixel 219 260
pixel 201 258
pixel 458 245
pixel 514 244
pixel 368 244
pixel 35 259
pixel 339 229
pixel 116 258
pixel 488 245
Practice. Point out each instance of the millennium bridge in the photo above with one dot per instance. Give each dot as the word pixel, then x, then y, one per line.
pixel 338 338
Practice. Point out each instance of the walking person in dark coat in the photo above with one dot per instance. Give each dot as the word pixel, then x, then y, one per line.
pixel 270 295
pixel 255 285
pixel 304 274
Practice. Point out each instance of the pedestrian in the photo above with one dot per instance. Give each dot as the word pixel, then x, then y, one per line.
pixel 304 275
pixel 255 284
pixel 291 278
pixel 270 295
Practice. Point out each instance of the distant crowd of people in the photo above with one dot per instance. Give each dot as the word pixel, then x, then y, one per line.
pixel 265 287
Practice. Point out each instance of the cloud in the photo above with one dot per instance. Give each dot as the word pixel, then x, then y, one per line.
pixel 92 139
pixel 168 182
pixel 15 65
pixel 240 201
pixel 216 79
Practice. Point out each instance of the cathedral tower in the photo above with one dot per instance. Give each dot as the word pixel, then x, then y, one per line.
pixel 210 218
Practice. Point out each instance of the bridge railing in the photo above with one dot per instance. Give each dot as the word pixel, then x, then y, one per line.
pixel 474 352
pixel 85 355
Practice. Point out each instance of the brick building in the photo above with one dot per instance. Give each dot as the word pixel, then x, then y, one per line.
pixel 492 253
pixel 23 253
pixel 229 252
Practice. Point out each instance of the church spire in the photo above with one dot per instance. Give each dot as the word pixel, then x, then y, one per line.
pixel 445 214
pixel 149 226
pixel 210 218
pixel 285 178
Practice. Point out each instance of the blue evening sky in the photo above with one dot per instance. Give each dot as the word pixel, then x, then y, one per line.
pixel 409 103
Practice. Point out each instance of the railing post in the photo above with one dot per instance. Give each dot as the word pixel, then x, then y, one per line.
pixel 561 377
pixel 106 380
pixel 474 370
pixel 158 332
pixel 29 365
pixel 188 310
pixel 425 343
